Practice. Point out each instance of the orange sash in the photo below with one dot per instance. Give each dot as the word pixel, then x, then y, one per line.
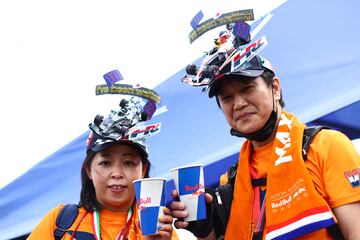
pixel 293 206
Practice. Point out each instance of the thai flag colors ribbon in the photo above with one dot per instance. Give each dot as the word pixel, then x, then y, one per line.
pixel 305 222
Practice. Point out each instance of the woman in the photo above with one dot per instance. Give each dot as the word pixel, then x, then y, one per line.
pixel 107 208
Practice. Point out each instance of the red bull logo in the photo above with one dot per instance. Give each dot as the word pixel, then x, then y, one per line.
pixel 144 201
pixel 198 192
pixel 198 189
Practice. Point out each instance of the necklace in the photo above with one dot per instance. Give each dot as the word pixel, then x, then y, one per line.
pixel 96 225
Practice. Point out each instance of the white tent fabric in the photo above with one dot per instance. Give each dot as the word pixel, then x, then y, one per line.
pixel 312 45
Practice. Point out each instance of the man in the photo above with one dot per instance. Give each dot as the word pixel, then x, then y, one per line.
pixel 300 199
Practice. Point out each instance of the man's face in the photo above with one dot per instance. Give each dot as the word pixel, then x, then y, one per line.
pixel 247 103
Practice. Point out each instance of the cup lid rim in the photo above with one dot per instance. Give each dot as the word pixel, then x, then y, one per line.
pixel 187 166
pixel 148 179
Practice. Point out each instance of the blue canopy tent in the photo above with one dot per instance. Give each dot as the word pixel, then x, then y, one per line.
pixel 312 45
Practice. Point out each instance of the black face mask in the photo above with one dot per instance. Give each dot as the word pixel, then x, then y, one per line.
pixel 262 134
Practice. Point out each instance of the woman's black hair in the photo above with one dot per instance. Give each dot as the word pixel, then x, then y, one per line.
pixel 87 193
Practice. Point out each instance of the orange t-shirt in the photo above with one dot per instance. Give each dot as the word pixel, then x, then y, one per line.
pixel 331 154
pixel 111 223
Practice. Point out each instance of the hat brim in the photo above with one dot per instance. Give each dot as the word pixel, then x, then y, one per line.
pixel 137 146
pixel 215 85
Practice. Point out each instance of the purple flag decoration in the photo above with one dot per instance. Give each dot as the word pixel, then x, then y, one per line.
pixel 149 108
pixel 112 77
pixel 242 30
pixel 196 20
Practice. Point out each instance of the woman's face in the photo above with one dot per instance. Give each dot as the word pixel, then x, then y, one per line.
pixel 112 172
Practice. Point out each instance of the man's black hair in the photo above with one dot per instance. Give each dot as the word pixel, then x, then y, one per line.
pixel 268 77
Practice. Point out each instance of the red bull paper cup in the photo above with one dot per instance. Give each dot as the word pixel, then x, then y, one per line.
pixel 189 182
pixel 150 199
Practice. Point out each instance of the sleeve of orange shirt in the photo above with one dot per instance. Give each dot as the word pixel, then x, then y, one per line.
pixel 334 163
pixel 45 229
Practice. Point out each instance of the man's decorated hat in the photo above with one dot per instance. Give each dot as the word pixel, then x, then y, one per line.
pixel 234 52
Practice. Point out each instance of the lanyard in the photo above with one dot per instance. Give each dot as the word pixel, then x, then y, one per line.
pixel 259 226
pixel 76 228
pixel 258 207
pixel 96 225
